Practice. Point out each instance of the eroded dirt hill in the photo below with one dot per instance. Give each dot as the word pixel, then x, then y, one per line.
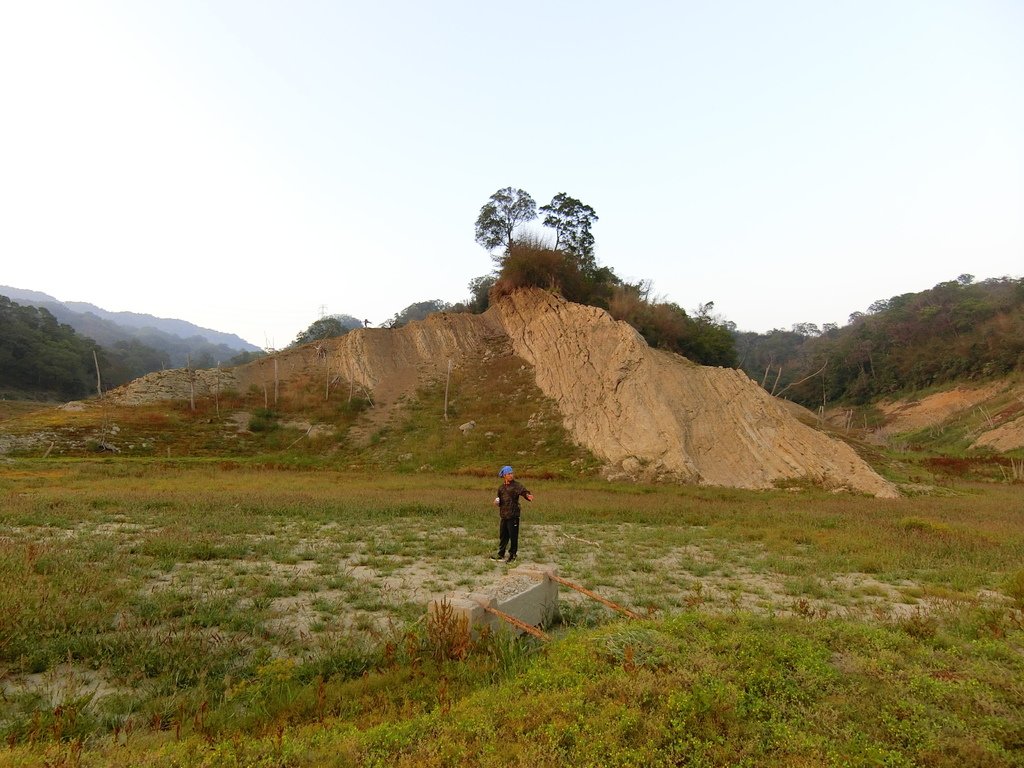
pixel 659 415
pixel 383 363
pixel 646 413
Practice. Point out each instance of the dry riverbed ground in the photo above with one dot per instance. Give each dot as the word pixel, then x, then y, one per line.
pixel 296 566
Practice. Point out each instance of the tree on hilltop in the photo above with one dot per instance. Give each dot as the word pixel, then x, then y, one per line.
pixel 505 210
pixel 327 327
pixel 420 310
pixel 571 221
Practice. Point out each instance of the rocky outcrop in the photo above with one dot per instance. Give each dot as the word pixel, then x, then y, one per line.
pixel 659 415
pixel 175 384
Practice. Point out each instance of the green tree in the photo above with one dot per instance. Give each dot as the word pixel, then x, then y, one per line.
pixel 418 311
pixel 246 357
pixel 327 327
pixel 704 338
pixel 571 221
pixel 505 210
pixel 479 290
pixel 806 329
pixel 41 356
pixel 129 359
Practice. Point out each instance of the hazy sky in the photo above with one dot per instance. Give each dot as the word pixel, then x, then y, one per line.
pixel 243 164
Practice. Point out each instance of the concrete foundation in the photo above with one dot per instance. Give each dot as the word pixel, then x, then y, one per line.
pixel 526 593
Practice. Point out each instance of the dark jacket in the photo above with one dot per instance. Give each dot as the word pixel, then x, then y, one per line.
pixel 508 499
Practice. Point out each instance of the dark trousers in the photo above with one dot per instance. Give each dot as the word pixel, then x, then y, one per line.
pixel 508 536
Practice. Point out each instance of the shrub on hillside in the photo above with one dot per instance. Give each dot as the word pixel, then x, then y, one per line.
pixel 666 325
pixel 530 263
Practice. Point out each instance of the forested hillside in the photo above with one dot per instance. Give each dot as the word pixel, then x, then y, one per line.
pixel 144 342
pixel 41 357
pixel 957 330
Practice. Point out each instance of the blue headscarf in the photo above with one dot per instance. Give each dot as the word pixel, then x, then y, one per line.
pixel 506 470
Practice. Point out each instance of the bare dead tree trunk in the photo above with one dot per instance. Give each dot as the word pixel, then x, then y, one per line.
pixel 276 382
pixel 191 383
pixel 446 382
pixel 779 376
pixel 327 366
pixel 805 378
pixel 216 392
pixel 99 385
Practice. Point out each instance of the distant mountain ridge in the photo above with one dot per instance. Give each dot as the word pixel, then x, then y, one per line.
pixel 108 328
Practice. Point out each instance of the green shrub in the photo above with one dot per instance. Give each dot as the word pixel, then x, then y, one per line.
pixel 1015 587
pixel 263 420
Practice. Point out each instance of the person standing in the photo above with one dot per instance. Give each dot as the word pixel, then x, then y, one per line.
pixel 507 502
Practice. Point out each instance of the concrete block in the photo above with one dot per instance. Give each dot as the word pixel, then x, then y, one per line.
pixel 526 593
pixel 535 602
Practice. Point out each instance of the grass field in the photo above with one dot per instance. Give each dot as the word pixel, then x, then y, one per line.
pixel 206 612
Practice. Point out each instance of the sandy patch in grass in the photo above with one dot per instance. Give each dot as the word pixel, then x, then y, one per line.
pixel 388 576
pixel 718 576
pixel 62 684
pixel 299 614
pixel 310 430
pixel 239 420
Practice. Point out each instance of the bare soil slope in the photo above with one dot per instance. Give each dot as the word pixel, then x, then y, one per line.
pixel 1008 436
pixel 934 409
pixel 647 413
pixel 992 414
pixel 660 416
pixel 383 363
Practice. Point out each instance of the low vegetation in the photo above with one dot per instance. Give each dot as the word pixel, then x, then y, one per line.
pixel 701 337
pixel 190 613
